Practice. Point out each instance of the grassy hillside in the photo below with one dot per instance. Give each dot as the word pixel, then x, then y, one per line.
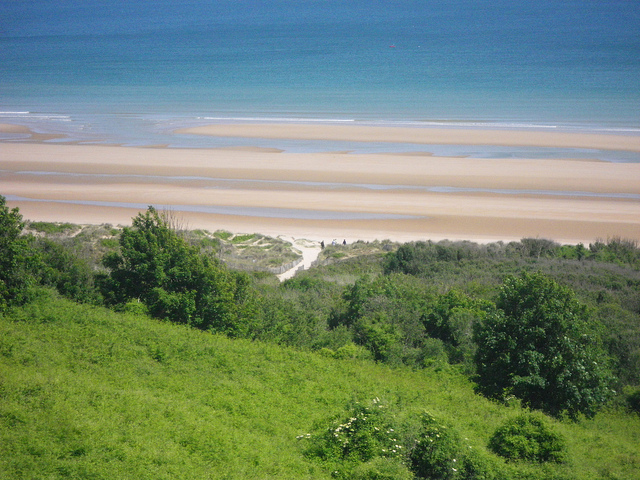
pixel 92 394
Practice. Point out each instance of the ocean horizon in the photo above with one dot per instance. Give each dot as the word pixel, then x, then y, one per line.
pixel 103 72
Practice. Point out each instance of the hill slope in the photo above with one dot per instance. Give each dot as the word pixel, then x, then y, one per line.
pixel 89 393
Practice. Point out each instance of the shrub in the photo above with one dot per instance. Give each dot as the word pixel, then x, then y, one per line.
pixel 52 228
pixel 363 435
pixel 633 399
pixel 439 454
pixel 528 437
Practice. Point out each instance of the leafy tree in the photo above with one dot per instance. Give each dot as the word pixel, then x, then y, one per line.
pixel 541 347
pixel 17 259
pixel 380 337
pixel 69 273
pixel 451 319
pixel 384 315
pixel 159 268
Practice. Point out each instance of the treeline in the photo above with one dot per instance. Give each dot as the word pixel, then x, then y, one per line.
pixel 556 326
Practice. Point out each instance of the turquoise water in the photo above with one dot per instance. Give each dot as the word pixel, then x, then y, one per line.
pixel 131 72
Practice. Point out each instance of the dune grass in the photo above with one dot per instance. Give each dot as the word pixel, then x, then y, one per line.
pixel 89 393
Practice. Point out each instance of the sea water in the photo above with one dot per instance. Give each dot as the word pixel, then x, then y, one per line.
pixel 132 72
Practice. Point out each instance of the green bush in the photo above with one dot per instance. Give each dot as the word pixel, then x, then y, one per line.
pixel 633 399
pixel 439 454
pixel 528 437
pixel 366 433
pixel 70 273
pixel 52 228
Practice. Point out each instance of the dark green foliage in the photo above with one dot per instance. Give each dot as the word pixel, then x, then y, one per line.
pixel 528 437
pixel 440 454
pixel 159 268
pixel 70 274
pixel 429 258
pixel 633 399
pixel 617 250
pixel 284 321
pixel 384 315
pixel 451 318
pixel 621 337
pixel 17 262
pixel 541 347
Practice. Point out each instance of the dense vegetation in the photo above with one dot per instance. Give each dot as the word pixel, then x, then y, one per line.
pixel 350 356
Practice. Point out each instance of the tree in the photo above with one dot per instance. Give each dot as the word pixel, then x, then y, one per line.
pixel 71 274
pixel 160 269
pixel 16 257
pixel 451 318
pixel 541 347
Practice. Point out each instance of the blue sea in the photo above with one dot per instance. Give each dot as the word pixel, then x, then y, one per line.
pixel 107 71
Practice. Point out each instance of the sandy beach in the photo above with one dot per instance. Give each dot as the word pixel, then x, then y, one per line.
pixel 435 136
pixel 321 196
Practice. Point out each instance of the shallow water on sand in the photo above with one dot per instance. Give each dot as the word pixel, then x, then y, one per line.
pixel 103 71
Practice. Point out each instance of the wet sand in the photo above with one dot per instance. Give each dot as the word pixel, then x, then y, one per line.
pixel 336 195
pixel 435 136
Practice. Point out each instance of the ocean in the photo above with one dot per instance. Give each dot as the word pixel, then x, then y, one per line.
pixel 106 71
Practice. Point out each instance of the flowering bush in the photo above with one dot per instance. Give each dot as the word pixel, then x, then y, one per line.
pixel 363 435
pixel 436 454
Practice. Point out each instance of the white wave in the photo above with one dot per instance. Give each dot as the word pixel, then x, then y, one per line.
pixel 279 119
pixel 37 116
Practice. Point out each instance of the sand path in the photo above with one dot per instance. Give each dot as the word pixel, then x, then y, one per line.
pixel 308 248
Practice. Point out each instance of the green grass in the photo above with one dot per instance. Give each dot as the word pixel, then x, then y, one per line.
pixel 243 238
pixel 89 393
pixel 223 234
